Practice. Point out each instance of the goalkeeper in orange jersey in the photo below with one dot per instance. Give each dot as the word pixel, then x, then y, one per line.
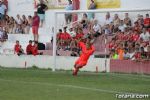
pixel 87 49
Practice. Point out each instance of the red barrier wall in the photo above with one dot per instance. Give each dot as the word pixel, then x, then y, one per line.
pixel 128 66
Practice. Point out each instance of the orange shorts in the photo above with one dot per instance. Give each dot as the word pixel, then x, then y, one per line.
pixel 35 29
pixel 80 62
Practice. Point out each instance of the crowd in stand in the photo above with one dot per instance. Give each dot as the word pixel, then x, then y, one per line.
pixel 3 30
pixel 130 39
pixel 21 24
pixel 18 25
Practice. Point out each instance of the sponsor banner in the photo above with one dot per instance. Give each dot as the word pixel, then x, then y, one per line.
pixel 107 3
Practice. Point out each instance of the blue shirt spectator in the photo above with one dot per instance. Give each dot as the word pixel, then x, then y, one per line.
pixel 69 7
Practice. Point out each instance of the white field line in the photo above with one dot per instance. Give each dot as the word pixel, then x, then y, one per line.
pixel 145 78
pixel 92 73
pixel 125 76
pixel 69 86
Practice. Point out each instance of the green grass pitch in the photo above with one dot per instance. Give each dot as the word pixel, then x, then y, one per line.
pixel 36 84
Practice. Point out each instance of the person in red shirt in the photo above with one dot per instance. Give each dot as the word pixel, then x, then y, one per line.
pixel 29 48
pixel 35 48
pixel 137 27
pixel 35 26
pixel 135 36
pixel 111 45
pixel 87 50
pixel 59 39
pixel 137 55
pixel 17 49
pixel 79 34
pixel 66 38
pixel 147 21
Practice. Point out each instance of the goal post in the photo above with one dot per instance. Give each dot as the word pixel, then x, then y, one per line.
pixel 57 14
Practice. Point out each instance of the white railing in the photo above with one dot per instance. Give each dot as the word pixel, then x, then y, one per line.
pixel 103 10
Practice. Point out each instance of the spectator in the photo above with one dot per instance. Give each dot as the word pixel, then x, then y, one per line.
pixel 68 16
pixel 66 38
pixel 116 22
pixel 21 50
pixel 126 55
pixel 96 27
pixel 120 51
pixel 35 48
pixel 122 26
pixel 72 32
pixel 29 25
pixel 143 53
pixel 24 24
pixel 135 36
pixel 18 19
pixel 85 23
pixel 5 34
pixel 97 30
pixel 147 21
pixel 35 26
pixel 30 20
pixel 107 30
pixel 137 27
pixel 137 55
pixel 2 10
pixel 145 36
pixel 141 20
pixel 41 8
pixel 17 48
pixel 6 19
pixel 92 6
pixel 6 4
pixel 19 29
pixel 59 39
pixel 29 48
pixel 76 6
pixel 127 20
pixel 1 33
pixel 114 54
pixel 73 45
pixel 108 19
pixel 79 34
pixel 12 25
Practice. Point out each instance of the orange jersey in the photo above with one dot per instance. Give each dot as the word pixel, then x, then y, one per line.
pixel 85 54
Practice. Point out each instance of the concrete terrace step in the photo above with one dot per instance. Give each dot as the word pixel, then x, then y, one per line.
pixel 26 37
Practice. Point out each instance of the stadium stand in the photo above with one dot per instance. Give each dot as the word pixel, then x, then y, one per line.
pixel 116 29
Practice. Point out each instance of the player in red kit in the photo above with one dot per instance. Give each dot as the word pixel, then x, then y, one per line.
pixel 87 50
